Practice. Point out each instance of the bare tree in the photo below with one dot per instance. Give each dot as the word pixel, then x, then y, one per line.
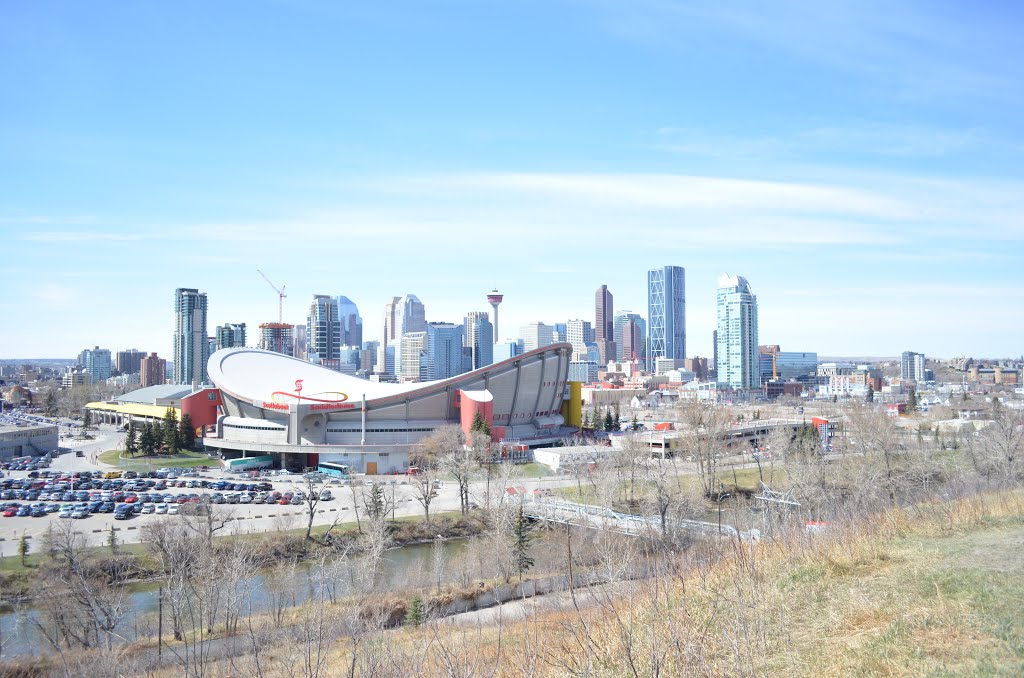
pixel 701 440
pixel 424 488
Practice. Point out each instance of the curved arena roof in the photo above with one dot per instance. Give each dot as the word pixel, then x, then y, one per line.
pixel 254 375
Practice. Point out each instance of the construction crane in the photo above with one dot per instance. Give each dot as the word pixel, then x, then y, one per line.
pixel 280 309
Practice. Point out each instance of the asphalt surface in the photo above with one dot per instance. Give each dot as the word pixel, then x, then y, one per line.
pixel 245 518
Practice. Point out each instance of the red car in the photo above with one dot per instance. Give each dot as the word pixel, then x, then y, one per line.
pixel 10 513
pixel 130 499
pixel 282 502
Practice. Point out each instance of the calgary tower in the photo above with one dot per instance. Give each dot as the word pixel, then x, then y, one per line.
pixel 494 299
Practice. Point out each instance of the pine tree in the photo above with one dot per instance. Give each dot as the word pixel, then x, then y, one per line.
pixel 635 424
pixel 616 422
pixel 608 421
pixel 186 433
pixel 87 419
pixel 131 439
pixel 521 546
pixel 146 440
pixel 479 425
pixel 416 614
pixel 871 394
pixel 912 400
pixel 586 420
pixel 170 432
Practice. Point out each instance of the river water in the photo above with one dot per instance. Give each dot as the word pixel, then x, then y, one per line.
pixel 402 568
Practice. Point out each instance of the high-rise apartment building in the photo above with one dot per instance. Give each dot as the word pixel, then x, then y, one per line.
pixel 912 367
pixel 444 349
pixel 230 336
pixel 96 362
pixel 536 335
pixel 401 316
pixel 278 337
pixel 479 339
pixel 153 371
pixel 323 330
pixel 604 324
pixel 351 322
pixel 737 361
pixel 191 340
pixel 666 313
pixel 130 361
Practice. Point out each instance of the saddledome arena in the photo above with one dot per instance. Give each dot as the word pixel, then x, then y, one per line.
pixel 304 413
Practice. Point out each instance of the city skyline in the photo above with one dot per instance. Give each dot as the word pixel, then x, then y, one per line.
pixel 854 162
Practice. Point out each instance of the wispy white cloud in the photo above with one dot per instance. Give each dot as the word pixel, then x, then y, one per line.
pixel 80 236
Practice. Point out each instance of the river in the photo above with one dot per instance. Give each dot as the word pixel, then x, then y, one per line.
pixel 403 568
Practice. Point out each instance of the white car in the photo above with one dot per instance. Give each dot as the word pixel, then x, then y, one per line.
pixel 65 512
pixel 149 507
pixel 244 499
pixel 325 495
pixel 172 510
pixel 161 508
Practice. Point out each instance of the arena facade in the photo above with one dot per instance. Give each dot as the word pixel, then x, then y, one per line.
pixel 303 413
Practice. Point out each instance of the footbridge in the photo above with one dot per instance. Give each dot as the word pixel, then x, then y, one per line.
pixel 603 518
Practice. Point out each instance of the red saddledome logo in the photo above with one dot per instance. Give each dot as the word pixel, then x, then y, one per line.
pixel 328 400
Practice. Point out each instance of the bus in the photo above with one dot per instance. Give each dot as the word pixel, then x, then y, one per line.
pixel 248 463
pixel 332 469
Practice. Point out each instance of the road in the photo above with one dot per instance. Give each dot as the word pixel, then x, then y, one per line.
pixel 251 518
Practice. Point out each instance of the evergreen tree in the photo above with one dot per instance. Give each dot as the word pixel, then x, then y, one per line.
pixel 608 421
pixel 170 432
pixel 86 419
pixel 616 422
pixel 416 614
pixel 635 424
pixel 131 439
pixel 479 425
pixel 521 547
pixel 912 400
pixel 835 398
pixel 871 394
pixel 586 420
pixel 23 549
pixel 186 433
pixel 146 440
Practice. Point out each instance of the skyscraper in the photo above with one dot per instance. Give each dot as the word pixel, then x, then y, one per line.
pixel 479 339
pixel 323 330
pixel 411 357
pixel 536 335
pixel 351 322
pixel 300 343
pixel 666 313
pixel 638 348
pixel 604 326
pixel 737 360
pixel 401 316
pixel 632 340
pixel 230 336
pixel 579 333
pixel 191 341
pixel 444 349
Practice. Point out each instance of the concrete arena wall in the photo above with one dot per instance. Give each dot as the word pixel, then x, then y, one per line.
pixel 525 392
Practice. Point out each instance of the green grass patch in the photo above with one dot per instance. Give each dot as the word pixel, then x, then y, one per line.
pixel 180 460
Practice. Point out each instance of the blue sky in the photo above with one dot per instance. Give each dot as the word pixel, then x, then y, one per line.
pixel 859 163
